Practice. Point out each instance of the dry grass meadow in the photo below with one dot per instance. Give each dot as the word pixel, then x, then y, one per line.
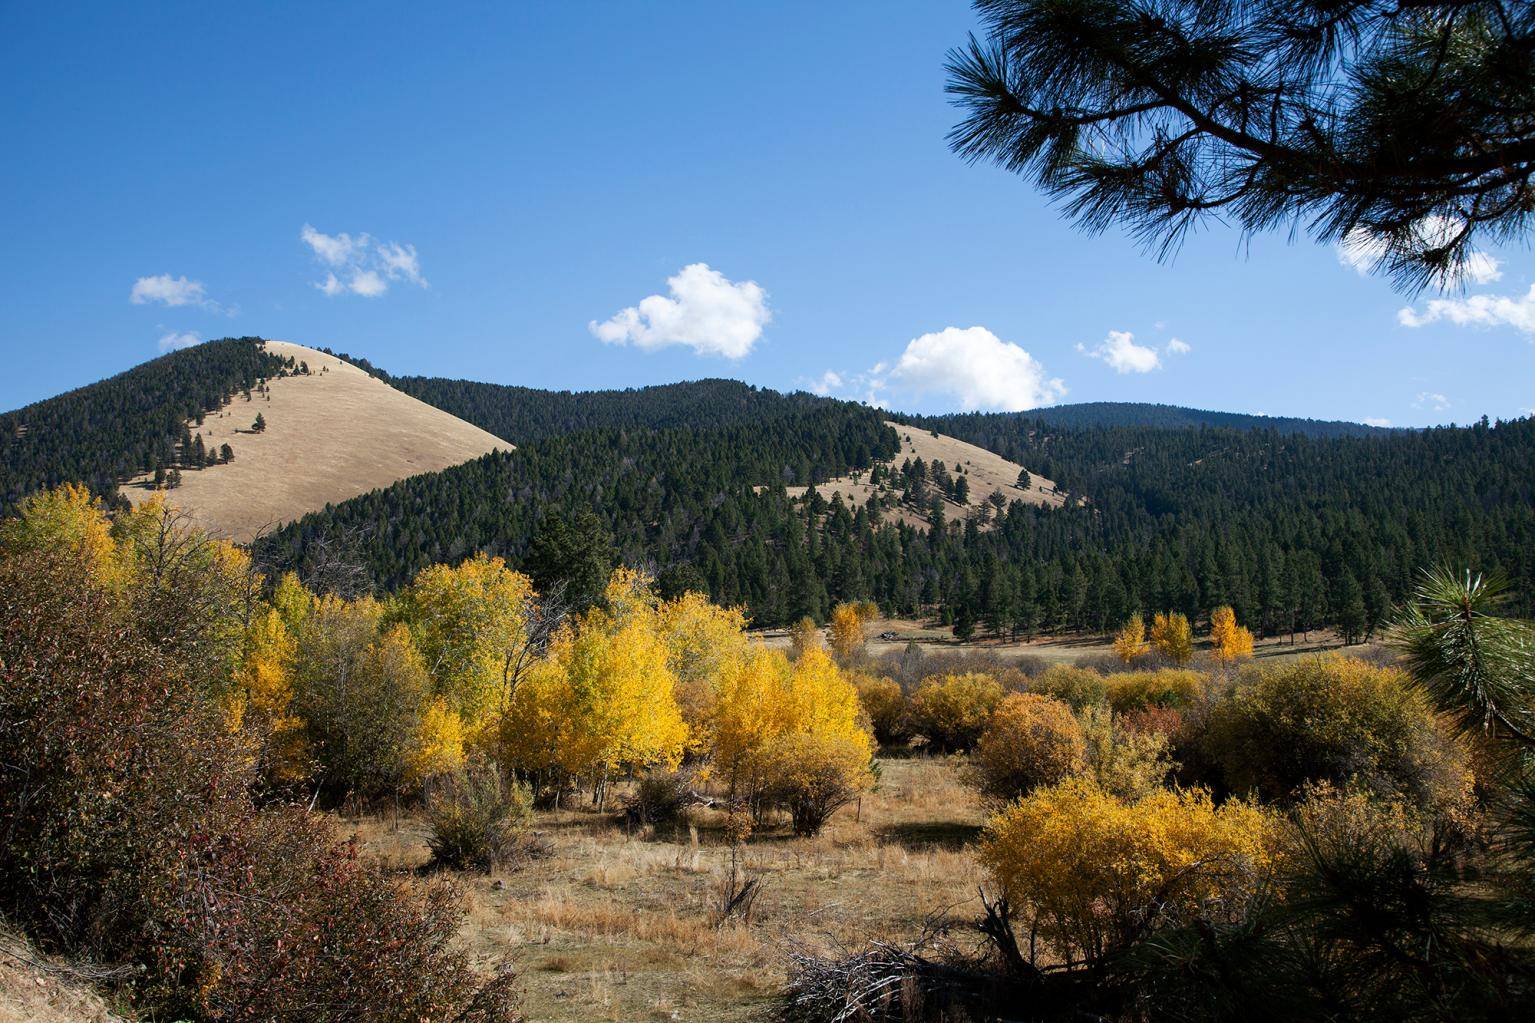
pixel 617 923
pixel 329 436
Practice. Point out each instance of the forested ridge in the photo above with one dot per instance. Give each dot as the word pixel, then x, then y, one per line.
pixel 1295 531
pixel 1138 413
pixel 126 424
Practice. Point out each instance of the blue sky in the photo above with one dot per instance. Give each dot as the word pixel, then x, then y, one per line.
pixel 491 186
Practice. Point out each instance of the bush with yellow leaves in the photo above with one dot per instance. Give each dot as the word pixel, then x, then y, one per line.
pixel 1130 691
pixel 884 702
pixel 1125 762
pixel 1079 687
pixel 951 711
pixel 1029 741
pixel 790 735
pixel 1090 874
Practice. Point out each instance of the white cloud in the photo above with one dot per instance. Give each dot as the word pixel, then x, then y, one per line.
pixel 1362 250
pixel 1179 347
pixel 1123 355
pixel 167 290
pixel 826 383
pixel 704 311
pixel 1431 400
pixel 360 265
pixel 174 342
pixel 1375 421
pixel 973 365
pixel 1476 311
pixel 175 291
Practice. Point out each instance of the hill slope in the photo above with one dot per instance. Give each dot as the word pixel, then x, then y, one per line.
pixel 985 472
pixel 127 423
pixel 330 435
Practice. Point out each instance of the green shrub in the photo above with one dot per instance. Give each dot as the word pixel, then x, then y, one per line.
pixel 474 817
pixel 1331 719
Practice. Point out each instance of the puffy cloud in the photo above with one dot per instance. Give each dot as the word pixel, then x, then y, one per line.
pixel 1361 250
pixel 360 265
pixel 1123 355
pixel 1178 347
pixel 826 383
pixel 1476 311
pixel 703 310
pixel 174 291
pixel 972 365
pixel 174 342
pixel 1431 400
pixel 1375 421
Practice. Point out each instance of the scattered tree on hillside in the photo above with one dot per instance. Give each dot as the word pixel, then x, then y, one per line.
pixel 259 426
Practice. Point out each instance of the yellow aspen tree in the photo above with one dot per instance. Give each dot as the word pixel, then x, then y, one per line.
pixel 849 623
pixel 1130 640
pixel 469 622
pixel 70 520
pixel 1229 641
pixel 1172 637
pixel 601 703
pixel 701 640
pixel 804 635
pixel 260 703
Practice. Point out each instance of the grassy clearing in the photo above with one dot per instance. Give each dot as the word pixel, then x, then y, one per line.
pixel 616 923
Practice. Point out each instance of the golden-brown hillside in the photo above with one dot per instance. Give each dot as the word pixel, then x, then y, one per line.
pixel 330 435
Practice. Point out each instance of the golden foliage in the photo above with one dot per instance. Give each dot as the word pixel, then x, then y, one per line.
pixel 602 701
pixel 1091 872
pixel 790 733
pixel 1130 640
pixel 1164 687
pixel 470 623
pixel 1229 641
pixel 952 710
pixel 260 703
pixel 884 703
pixel 848 628
pixel 65 520
pixel 1171 636
pixel 702 642
pixel 1080 687
pixel 803 636
pixel 1029 741
pixel 438 748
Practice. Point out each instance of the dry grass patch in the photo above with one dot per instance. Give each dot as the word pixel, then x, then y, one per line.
pixel 618 923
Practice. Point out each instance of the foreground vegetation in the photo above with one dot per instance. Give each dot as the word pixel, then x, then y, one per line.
pixel 1157 838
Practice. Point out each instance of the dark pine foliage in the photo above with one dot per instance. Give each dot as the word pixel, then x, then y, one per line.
pixel 1138 413
pixel 1295 531
pixel 126 424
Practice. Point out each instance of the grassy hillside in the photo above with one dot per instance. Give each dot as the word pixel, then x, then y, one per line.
pixel 128 423
pixel 328 435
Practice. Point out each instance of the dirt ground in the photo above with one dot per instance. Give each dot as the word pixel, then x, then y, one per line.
pixel 329 436
pixel 616 923
pixel 35 988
